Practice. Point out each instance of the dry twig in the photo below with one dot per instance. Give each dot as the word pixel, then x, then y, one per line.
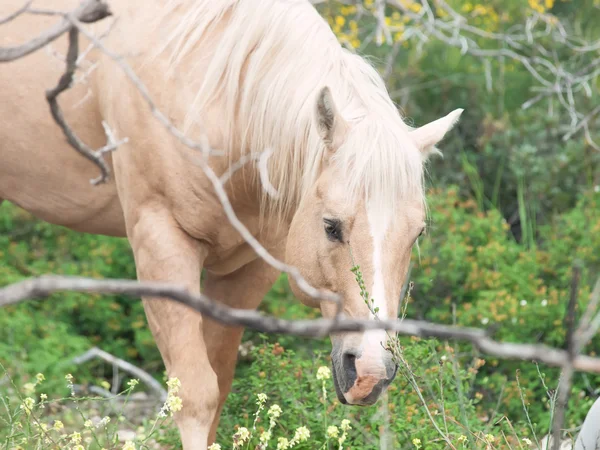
pixel 46 285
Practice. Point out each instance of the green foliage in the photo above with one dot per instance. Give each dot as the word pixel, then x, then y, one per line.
pixel 45 336
pixel 472 262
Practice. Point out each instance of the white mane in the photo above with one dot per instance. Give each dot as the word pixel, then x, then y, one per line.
pixel 268 65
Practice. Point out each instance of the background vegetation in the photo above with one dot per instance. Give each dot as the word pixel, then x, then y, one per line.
pixel 512 206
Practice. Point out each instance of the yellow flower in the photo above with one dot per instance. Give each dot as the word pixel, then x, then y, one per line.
pixel 105 384
pixel 58 425
pixel 339 20
pixel 332 431
pixel 490 438
pixel 416 442
pixel 40 377
pixel 75 437
pixel 129 446
pixel 415 7
pixel 27 405
pixel 214 447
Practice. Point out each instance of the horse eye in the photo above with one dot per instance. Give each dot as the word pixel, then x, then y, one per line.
pixel 333 229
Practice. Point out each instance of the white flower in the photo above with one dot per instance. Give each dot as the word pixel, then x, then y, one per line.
pixel 214 447
pixel 282 443
pixel 103 422
pixel 241 436
pixel 527 441
pixel 544 302
pixel 129 446
pixel 302 434
pixel 323 373
pixel 133 383
pixel 274 411
pixel 265 436
pixel 523 303
pixel 597 188
pixel 174 384
pixel 345 426
pixel 174 403
pixel 262 398
pixel 485 321
pixel 332 431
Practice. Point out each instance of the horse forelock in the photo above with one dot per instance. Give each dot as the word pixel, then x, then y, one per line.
pixel 269 60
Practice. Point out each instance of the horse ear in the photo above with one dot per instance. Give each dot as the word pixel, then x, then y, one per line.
pixel 428 136
pixel 332 126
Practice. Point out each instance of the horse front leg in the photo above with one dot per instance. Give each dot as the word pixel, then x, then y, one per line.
pixel 164 252
pixel 244 288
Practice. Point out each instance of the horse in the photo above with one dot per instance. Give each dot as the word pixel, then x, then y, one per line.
pixel 245 76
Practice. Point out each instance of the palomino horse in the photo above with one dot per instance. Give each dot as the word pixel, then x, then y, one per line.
pixel 248 75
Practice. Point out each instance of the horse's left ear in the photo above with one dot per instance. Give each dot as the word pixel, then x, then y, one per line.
pixel 428 136
pixel 332 126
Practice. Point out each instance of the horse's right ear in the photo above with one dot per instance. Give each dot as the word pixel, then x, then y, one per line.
pixel 332 126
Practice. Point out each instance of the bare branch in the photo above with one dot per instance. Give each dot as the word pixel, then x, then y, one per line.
pixel 46 285
pixel 89 11
pixel 125 366
pixel 51 95
pixel 566 379
pixel 16 14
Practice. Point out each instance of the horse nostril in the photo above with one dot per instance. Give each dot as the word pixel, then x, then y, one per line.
pixel 349 365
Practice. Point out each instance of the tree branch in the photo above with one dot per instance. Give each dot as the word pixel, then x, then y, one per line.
pixel 88 11
pixel 125 366
pixel 46 285
pixel 51 95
